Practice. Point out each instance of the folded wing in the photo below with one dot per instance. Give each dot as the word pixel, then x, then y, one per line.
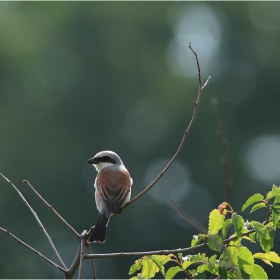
pixel 114 188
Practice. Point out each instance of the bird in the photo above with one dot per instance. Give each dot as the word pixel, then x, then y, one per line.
pixel 112 190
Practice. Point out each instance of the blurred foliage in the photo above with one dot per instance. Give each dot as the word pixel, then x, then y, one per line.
pixel 80 77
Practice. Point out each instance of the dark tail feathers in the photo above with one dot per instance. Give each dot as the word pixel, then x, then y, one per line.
pixel 99 231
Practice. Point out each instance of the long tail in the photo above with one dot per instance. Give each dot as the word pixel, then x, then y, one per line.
pixel 99 231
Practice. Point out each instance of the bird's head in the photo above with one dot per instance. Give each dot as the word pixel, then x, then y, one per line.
pixel 104 159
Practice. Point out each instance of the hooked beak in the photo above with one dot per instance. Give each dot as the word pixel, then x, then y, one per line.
pixel 92 161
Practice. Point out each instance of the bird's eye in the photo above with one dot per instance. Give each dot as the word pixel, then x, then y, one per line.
pixel 106 157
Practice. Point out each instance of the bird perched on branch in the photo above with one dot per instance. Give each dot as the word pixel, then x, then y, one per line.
pixel 112 190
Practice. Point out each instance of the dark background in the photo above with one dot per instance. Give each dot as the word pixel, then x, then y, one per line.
pixel 77 78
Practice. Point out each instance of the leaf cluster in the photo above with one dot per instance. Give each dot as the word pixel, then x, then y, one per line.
pixel 231 259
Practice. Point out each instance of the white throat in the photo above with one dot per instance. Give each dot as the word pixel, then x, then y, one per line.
pixel 102 165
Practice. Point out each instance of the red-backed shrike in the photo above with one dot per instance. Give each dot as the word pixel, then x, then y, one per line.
pixel 112 190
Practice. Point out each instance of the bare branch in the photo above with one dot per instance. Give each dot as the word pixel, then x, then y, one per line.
pixel 141 254
pixel 33 250
pixel 37 219
pixel 190 220
pixel 51 208
pixel 159 252
pixel 198 66
pixel 184 136
pixel 91 262
pixel 224 143
pixel 82 251
pixel 74 266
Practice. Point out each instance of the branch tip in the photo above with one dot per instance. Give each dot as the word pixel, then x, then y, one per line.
pixel 179 149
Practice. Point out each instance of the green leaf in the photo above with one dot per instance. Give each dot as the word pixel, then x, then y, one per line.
pixel 237 274
pixel 212 260
pixel 172 271
pixel 268 257
pixel 228 259
pixel 223 273
pixel 238 223
pixel 275 214
pixel 259 228
pixel 230 275
pixel 245 260
pixel 226 225
pixel 267 240
pixel 252 236
pixel 192 272
pixel 201 268
pixel 253 199
pixel 268 195
pixel 136 266
pixel 186 264
pixel 162 258
pixel 197 238
pixel 157 260
pixel 275 205
pixel 216 221
pixel 275 191
pixel 258 273
pixel 277 199
pixel 258 206
pixel 149 268
pixel 215 242
pixel 236 242
pixel 180 255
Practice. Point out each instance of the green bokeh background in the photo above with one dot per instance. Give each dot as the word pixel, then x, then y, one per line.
pixel 80 77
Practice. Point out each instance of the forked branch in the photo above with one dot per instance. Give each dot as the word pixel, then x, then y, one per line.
pixel 33 250
pixel 38 221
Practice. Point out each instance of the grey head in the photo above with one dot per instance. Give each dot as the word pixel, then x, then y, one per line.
pixel 104 159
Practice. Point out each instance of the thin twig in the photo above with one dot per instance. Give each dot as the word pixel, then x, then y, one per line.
pixel 224 143
pixel 205 84
pixel 51 208
pixel 190 220
pixel 198 67
pixel 186 132
pixel 91 262
pixel 33 250
pixel 140 254
pixel 82 252
pixel 37 219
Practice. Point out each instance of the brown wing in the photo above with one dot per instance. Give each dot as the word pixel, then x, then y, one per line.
pixel 114 187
